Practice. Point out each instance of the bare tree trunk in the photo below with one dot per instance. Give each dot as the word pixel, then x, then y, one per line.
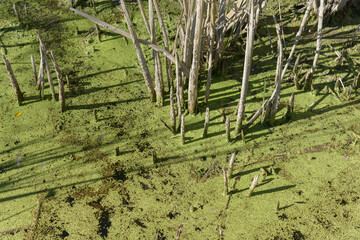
pixel 298 34
pixel 220 33
pixel 166 41
pixel 172 109
pixel 296 72
pixel 13 81
pixel 211 46
pixel 61 83
pixel 40 83
pixel 275 102
pixel 247 69
pixel 179 88
pixel 144 16
pixel 281 24
pixel 46 64
pixel 16 12
pixel 194 71
pixel 309 76
pixel 93 5
pixel 141 58
pixel 159 84
pixel 290 106
pixel 227 127
pixel 207 120
pixel 182 129
pixel 33 68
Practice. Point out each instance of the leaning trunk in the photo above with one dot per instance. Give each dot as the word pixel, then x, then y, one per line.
pixel 247 69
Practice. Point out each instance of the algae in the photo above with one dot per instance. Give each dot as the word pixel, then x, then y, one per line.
pixel 71 177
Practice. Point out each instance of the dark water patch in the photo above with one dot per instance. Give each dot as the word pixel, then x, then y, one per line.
pixel 120 175
pixel 104 223
pixel 297 235
pixel 160 235
pixel 172 215
pixel 64 234
pixel 70 200
pixel 139 223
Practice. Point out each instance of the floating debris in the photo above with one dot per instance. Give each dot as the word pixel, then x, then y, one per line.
pixel 179 231
pixel 18 114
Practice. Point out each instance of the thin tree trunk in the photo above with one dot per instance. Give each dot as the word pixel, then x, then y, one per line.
pixel 141 58
pixel 309 76
pixel 166 41
pixel 290 107
pixel 40 83
pixel 93 5
pixel 144 16
pixel 46 64
pixel 274 105
pixel 207 120
pixel 61 83
pixel 220 33
pixel 298 34
pixel 227 127
pixel 281 24
pixel 194 71
pixel 211 46
pixel 182 129
pixel 13 81
pixel 16 12
pixel 159 85
pixel 296 72
pixel 247 69
pixel 33 68
pixel 179 88
pixel 172 109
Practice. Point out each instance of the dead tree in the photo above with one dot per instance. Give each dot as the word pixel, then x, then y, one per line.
pixel 14 84
pixel 309 76
pixel 61 83
pixel 247 69
pixel 159 84
pixel 172 109
pixel 140 55
pixel 166 41
pixel 40 82
pixel 206 123
pixel 211 48
pixel 33 68
pixel 16 12
pixel 194 71
pixel 275 102
pixel 46 64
